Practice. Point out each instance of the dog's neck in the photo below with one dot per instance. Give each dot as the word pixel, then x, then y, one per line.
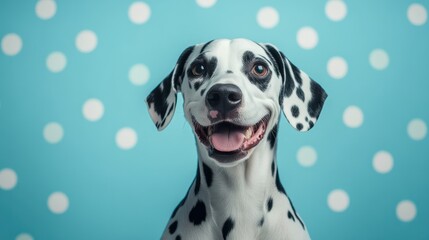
pixel 243 189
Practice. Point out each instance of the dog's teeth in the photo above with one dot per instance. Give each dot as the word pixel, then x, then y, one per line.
pixel 248 133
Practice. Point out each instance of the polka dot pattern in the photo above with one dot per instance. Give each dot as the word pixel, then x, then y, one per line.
pixel 379 59
pixel 11 44
pixel 53 132
pixel 58 202
pixel 417 129
pixel 46 9
pixel 56 62
pixel 206 3
pixel 267 17
pixel 126 138
pixel 417 14
pixel 307 38
pixel 8 179
pixel 337 67
pixel 139 12
pixel 338 200
pixel 307 156
pixel 353 117
pixel 93 110
pixel 86 41
pixel 406 211
pixel 382 162
pixel 139 74
pixel 74 78
pixel 336 10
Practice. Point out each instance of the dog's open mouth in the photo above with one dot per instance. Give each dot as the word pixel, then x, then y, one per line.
pixel 228 141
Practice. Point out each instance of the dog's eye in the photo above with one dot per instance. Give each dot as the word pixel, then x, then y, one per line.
pixel 198 70
pixel 259 70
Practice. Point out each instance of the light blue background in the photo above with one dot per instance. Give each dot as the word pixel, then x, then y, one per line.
pixel 130 194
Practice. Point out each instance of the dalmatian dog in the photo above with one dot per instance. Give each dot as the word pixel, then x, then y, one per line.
pixel 233 94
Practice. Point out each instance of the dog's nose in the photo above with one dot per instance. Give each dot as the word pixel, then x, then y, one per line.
pixel 224 97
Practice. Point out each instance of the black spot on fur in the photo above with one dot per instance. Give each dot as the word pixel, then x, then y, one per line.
pixel 249 60
pixel 272 136
pixel 289 83
pixel 208 174
pixel 229 71
pixel 294 212
pixel 211 67
pixel 311 123
pixel 172 228
pixel 198 213
pixel 261 222
pixel 203 91
pixel 306 119
pixel 178 237
pixel 270 204
pixel 318 98
pixel 296 73
pixel 279 184
pixel 206 45
pixel 197 85
pixel 299 126
pixel 275 59
pixel 158 97
pixel 290 216
pixel 295 111
pixel 227 227
pixel 300 94
pixel 273 167
pixel 197 182
pixel 180 65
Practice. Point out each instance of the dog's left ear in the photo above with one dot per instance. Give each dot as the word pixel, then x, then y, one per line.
pixel 301 98
pixel 161 101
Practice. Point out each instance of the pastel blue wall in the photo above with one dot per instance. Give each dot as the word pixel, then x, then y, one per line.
pixel 80 158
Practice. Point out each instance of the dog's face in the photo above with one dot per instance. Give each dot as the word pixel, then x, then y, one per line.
pixel 234 91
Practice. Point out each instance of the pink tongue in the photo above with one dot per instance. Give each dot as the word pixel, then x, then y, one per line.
pixel 227 141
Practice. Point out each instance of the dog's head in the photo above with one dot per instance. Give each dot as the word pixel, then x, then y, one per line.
pixel 233 93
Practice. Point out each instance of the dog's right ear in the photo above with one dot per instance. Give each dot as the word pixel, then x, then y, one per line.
pixel 161 102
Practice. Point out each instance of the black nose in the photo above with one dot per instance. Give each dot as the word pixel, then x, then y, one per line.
pixel 224 97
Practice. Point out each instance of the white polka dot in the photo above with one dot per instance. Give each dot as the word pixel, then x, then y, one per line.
pixel 86 41
pixel 267 17
pixel 337 67
pixel 307 38
pixel 335 10
pixel 353 117
pixel 406 211
pixel 126 138
pixel 417 14
pixel 56 62
pixel 306 156
pixel 379 59
pixel 139 74
pixel 24 236
pixel 8 179
pixel 139 12
pixel 206 3
pixel 11 44
pixel 417 129
pixel 46 9
pixel 338 200
pixel 58 202
pixel 53 132
pixel 93 109
pixel 382 162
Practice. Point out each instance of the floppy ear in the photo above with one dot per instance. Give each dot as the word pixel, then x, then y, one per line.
pixel 161 101
pixel 301 98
